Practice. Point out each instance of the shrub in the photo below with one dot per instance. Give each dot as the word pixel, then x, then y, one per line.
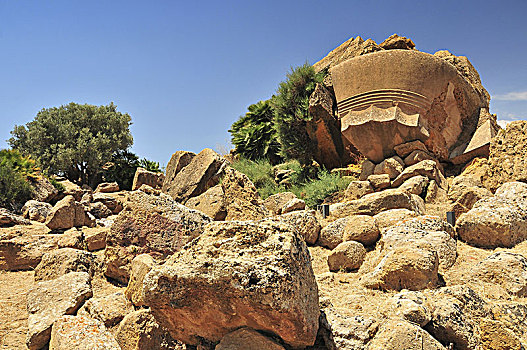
pixel 25 166
pixel 315 191
pixel 149 165
pixel 260 173
pixel 254 135
pixel 121 169
pixel 14 189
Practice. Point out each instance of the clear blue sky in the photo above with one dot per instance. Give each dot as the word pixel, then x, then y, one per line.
pixel 185 70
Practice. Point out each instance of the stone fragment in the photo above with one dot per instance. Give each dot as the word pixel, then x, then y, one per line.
pixel 361 228
pixel 149 190
pixel 426 168
pixel 177 162
pixel 410 305
pixel 333 234
pixel 71 189
pixel 306 224
pixel 95 238
pixel 47 301
pixel 68 213
pixel 150 224
pixel 435 194
pixel 145 177
pixel 404 149
pixel 10 219
pixel 276 202
pixel 293 205
pixel 236 274
pixel 511 315
pixel 416 157
pixel 71 238
pixel 345 331
pixel 399 334
pixel 347 256
pixel 379 182
pixel 212 202
pixel 494 336
pixel 352 47
pixel 140 266
pixel 392 217
pixel 367 169
pixel 139 330
pixel 81 333
pixel 397 42
pixel 43 189
pixel 87 198
pixel 36 211
pixel 479 144
pixel 392 166
pixel 247 339
pixel 107 187
pixel 202 172
pixel 111 202
pixel 506 269
pixel 415 185
pixel 375 203
pixel 99 210
pixel 63 261
pixel 358 189
pixel 25 252
pixel 109 309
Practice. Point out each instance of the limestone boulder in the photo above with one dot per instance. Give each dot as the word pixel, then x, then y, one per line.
pixel 201 173
pixel 379 182
pixel 114 204
pixel 49 300
pixel 392 217
pixel 416 157
pixel 63 261
pixel 415 185
pixel 333 234
pixel 392 166
pixel 506 269
pixel 435 194
pixel 72 238
pixel 427 168
pixel 43 189
pixel 396 42
pixel 400 334
pixel 358 189
pixel 82 333
pixel 36 211
pixel 405 149
pixel 237 274
pixel 347 256
pixel 247 339
pixel 149 224
pixel 410 306
pixel 99 210
pixel 293 205
pixel 71 189
pixel 145 177
pixel 276 202
pixel 140 330
pixel 95 238
pixel 107 187
pixel 306 224
pixel 345 331
pixel 68 213
pixel 140 266
pixel 177 162
pixel 25 252
pixel 212 203
pixel 375 203
pixel 494 335
pixel 367 169
pixel 8 218
pixel 361 228
pixel 109 309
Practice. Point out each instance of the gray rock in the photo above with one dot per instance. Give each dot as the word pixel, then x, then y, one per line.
pixel 36 211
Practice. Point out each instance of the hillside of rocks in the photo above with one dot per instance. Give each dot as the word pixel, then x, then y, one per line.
pixel 195 259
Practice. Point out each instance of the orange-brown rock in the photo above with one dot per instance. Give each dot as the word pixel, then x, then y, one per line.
pixel 145 177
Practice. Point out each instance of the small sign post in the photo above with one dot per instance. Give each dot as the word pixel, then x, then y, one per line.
pixel 451 218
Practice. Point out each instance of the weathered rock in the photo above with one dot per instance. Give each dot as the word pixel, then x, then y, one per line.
pixel 237 274
pixel 455 314
pixel 352 47
pixel 511 315
pixel 202 172
pixel 9 219
pixel 415 185
pixel 212 202
pixel 395 41
pixel 392 217
pixel 177 162
pixel 25 252
pixel 109 309
pixel 435 194
pixel 36 211
pixel 139 330
pixel 71 238
pixel 416 157
pixel 87 198
pixel 410 267
pixel 426 168
pixel 43 189
pixel 410 305
pixel 499 221
pixel 399 334
pixel 375 203
pixel 242 199
pixel 404 149
pixel 507 159
pixel 367 169
pixel 149 224
pixel 506 269
pixel 392 166
pixel 379 182
pixel 149 190
pixel 71 189
pixel 347 256
pixel 150 178
pixel 333 234
pixel 494 336
pixel 306 224
pixel 111 202
pixel 107 187
pixel 347 332
pixel 99 210
pixel 293 205
pixel 247 339
pixel 95 238
pixel 466 199
pixel 140 266
pixel 47 301
pixel 276 202
pixel 63 261
pixel 361 228
pixel 358 189
pixel 81 333
pixel 68 213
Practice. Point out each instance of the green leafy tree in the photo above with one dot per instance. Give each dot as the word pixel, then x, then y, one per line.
pixel 121 169
pixel 149 165
pixel 15 190
pixel 254 135
pixel 291 105
pixel 74 140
